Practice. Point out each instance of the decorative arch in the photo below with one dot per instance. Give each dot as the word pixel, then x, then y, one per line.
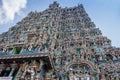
pixel 92 66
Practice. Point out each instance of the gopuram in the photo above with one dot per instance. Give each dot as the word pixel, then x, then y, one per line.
pixel 57 44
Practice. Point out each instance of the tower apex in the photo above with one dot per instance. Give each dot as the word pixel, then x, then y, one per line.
pixel 54 4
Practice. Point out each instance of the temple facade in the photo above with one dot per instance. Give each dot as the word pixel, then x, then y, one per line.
pixel 57 44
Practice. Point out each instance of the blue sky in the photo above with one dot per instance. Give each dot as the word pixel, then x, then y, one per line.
pixel 104 13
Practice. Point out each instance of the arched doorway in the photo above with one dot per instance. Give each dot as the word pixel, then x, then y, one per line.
pixel 83 70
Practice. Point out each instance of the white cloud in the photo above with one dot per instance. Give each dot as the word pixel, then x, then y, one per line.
pixel 9 8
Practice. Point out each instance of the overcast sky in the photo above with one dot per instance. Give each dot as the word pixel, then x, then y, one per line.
pixel 104 13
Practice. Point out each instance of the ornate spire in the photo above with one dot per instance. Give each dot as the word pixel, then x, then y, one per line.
pixel 54 5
